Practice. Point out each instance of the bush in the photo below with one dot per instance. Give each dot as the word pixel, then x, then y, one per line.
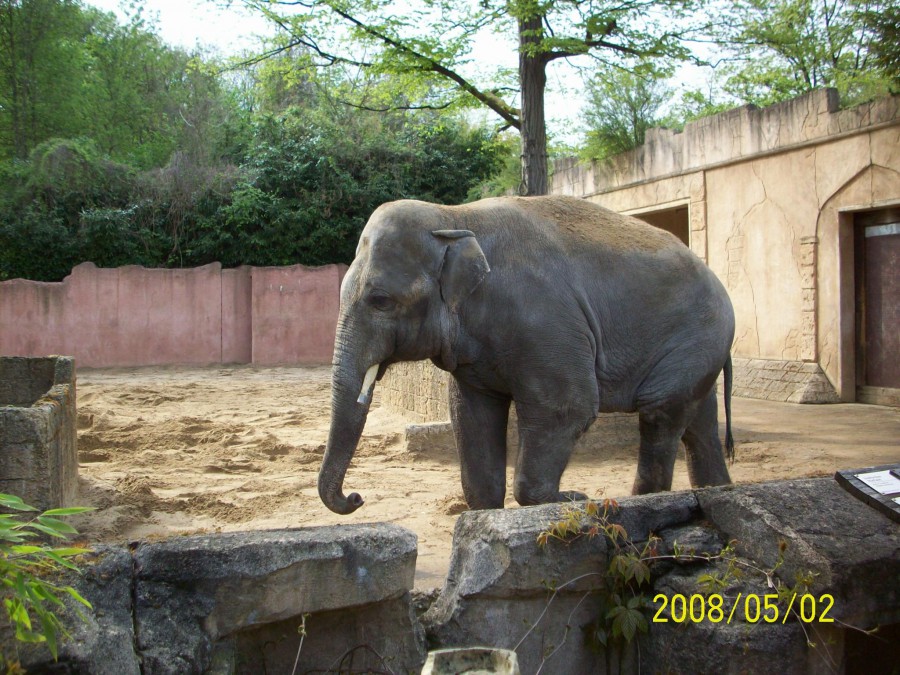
pixel 28 595
pixel 311 181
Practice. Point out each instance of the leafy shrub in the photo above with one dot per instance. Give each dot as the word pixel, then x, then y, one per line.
pixel 26 568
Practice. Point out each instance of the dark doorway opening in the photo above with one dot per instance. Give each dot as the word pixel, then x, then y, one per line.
pixel 677 221
pixel 877 280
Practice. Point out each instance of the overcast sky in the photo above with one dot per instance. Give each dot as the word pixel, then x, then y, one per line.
pixel 188 23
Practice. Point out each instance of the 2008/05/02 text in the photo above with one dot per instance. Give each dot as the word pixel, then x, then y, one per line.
pixel 752 608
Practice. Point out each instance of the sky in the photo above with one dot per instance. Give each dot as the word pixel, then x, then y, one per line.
pixel 192 23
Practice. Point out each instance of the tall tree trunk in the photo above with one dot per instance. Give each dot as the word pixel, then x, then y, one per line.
pixel 533 81
pixel 17 141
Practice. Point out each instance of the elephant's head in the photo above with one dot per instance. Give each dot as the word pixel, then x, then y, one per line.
pixel 399 300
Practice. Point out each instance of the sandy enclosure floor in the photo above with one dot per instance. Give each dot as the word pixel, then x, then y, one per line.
pixel 164 451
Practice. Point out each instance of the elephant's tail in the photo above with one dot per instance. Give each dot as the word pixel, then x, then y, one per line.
pixel 729 439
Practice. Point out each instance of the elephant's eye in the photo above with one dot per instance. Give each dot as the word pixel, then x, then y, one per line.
pixel 382 301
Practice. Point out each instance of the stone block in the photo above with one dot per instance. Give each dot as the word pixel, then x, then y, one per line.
pixel 38 453
pixel 777 380
pixel 193 592
pixel 498 586
pixel 851 548
pixel 730 649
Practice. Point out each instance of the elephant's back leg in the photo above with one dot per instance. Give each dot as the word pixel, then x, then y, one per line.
pixel 703 448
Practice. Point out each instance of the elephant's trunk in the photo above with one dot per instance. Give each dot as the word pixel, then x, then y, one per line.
pixel 350 398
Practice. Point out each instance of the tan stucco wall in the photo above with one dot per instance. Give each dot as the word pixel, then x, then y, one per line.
pixel 771 194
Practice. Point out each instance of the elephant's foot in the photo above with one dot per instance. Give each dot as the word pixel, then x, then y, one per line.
pixel 572 496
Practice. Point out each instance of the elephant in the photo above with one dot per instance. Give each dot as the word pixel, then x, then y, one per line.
pixel 554 303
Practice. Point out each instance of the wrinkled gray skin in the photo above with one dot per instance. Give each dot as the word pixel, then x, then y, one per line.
pixel 557 304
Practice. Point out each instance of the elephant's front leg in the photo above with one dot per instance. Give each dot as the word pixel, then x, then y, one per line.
pixel 661 431
pixel 546 442
pixel 479 423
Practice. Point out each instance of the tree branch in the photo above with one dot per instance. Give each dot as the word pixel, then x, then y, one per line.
pixel 360 106
pixel 509 114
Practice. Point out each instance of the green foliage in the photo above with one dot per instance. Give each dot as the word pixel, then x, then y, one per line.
pixel 316 176
pixel 170 162
pixel 72 71
pixel 787 48
pixel 883 20
pixel 623 612
pixel 427 50
pixel 43 205
pixel 26 567
pixel 312 178
pixel 623 103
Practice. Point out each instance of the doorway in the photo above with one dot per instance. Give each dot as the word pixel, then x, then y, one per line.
pixel 676 221
pixel 877 282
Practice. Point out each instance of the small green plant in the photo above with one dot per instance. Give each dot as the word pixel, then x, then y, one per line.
pixel 27 566
pixel 623 603
pixel 624 606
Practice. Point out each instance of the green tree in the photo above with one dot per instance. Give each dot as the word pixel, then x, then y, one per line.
pixel 428 45
pixel 789 47
pixel 315 174
pixel 622 104
pixel 70 71
pixel 884 22
pixel 41 60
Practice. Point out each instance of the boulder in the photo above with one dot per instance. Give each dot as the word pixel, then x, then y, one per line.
pixel 852 549
pixel 500 588
pixel 193 592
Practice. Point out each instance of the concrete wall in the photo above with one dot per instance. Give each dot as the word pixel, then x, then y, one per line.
pixel 771 193
pixel 418 391
pixel 294 313
pixel 38 455
pixel 234 602
pixel 133 316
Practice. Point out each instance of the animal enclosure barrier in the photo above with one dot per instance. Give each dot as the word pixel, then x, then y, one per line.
pixel 134 316
pixel 38 455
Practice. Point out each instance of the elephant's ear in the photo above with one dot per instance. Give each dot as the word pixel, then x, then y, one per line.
pixel 464 266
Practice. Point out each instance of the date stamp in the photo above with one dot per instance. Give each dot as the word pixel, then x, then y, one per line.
pixel 751 608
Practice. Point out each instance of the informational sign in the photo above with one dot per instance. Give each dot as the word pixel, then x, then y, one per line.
pixel 878 486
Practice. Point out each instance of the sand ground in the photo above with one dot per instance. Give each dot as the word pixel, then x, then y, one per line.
pixel 174 450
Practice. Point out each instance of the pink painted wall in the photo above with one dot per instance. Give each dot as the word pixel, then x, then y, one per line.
pixel 295 313
pixel 132 316
pixel 237 333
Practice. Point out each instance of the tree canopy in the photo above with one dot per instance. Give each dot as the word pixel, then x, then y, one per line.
pixel 767 52
pixel 779 50
pixel 429 45
pixel 119 149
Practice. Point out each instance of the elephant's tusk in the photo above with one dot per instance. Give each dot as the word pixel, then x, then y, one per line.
pixel 365 394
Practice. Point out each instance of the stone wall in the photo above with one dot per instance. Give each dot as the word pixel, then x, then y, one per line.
pixel 132 316
pixel 775 380
pixel 38 453
pixel 418 391
pixel 235 602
